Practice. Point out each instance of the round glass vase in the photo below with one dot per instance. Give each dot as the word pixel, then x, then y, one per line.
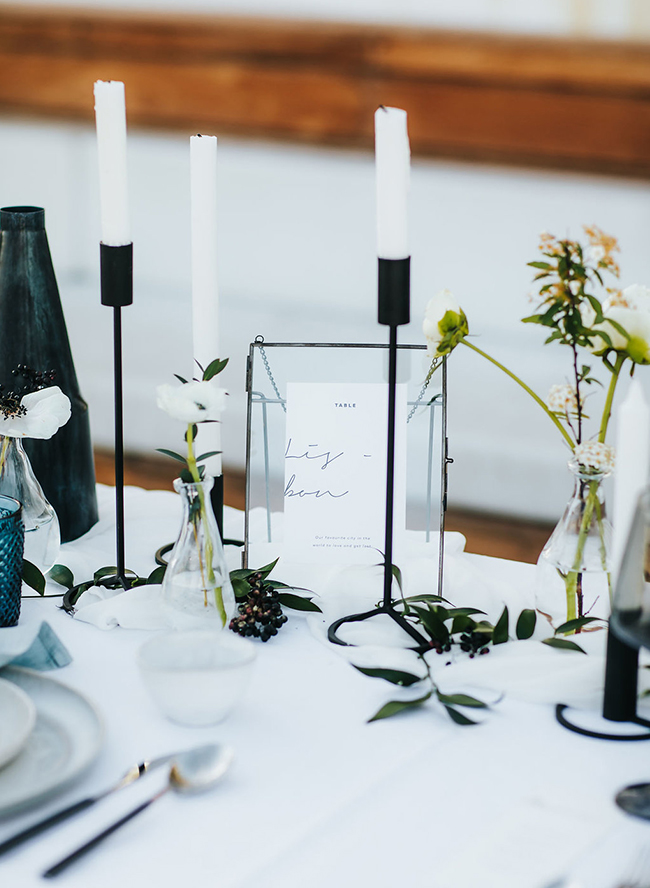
pixel 17 479
pixel 573 571
pixel 196 589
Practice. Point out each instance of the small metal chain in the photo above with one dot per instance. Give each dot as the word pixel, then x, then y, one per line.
pixel 425 386
pixel 269 373
pixel 267 367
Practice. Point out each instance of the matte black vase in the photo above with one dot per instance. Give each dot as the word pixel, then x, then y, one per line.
pixel 33 332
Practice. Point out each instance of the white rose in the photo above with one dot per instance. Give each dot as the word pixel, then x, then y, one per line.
pixel 192 402
pixel 47 410
pixel 444 324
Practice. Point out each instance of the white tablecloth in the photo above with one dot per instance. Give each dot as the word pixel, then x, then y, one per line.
pixel 317 797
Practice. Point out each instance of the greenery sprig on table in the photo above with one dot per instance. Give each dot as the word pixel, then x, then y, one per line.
pixel 446 628
pixel 260 600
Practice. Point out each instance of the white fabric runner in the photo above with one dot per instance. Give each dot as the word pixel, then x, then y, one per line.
pixel 317 797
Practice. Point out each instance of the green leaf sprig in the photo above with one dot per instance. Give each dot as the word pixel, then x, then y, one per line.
pixel 446 627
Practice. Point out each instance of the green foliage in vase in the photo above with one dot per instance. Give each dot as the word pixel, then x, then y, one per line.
pixel 594 321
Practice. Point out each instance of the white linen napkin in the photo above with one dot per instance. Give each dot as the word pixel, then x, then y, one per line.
pixel 33 644
pixel 137 608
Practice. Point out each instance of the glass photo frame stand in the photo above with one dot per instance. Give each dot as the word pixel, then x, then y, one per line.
pixel 272 366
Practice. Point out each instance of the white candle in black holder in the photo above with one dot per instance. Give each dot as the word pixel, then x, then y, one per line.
pixel 116 256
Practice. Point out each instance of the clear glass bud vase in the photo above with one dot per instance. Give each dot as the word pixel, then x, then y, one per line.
pixel 17 479
pixel 573 572
pixel 196 590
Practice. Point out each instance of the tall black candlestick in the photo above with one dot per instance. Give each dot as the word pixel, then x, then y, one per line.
pixel 117 291
pixel 394 286
pixel 393 312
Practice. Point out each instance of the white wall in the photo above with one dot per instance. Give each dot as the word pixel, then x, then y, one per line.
pixel 605 18
pixel 297 263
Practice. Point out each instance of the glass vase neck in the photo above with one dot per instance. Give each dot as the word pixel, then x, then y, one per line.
pixel 191 487
pixel 581 474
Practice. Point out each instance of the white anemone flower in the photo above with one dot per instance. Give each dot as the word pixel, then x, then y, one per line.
pixel 192 402
pixel 45 412
pixel 444 324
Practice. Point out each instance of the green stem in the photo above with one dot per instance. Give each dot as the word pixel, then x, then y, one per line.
pixel 607 410
pixel 603 549
pixel 3 453
pixel 571 580
pixel 526 388
pixel 209 548
pixel 592 503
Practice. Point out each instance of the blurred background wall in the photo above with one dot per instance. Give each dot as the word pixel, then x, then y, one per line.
pixel 610 18
pixel 536 117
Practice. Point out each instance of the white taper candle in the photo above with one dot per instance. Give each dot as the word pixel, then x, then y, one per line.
pixel 632 464
pixel 205 295
pixel 110 118
pixel 393 171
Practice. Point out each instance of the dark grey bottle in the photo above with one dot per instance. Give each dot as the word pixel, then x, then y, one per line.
pixel 33 332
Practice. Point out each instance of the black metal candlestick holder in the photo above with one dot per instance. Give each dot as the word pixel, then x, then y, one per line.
pixel 393 312
pixel 117 291
pixel 620 695
pixel 216 498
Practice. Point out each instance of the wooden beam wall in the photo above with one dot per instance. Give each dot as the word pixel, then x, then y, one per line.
pixel 550 102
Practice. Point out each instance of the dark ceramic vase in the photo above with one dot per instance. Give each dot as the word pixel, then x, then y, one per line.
pixel 33 332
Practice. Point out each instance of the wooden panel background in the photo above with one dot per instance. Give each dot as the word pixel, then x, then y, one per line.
pixel 550 102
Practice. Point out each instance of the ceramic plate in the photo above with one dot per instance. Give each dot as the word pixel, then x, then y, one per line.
pixel 66 738
pixel 18 717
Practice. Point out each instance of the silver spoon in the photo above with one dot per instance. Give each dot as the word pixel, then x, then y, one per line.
pixel 134 773
pixel 192 772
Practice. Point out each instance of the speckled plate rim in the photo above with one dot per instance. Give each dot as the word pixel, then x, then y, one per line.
pixel 81 755
pixel 24 718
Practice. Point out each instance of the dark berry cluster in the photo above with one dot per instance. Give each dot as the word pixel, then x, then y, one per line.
pixel 10 404
pixel 473 643
pixel 260 614
pixel 34 380
pixel 440 647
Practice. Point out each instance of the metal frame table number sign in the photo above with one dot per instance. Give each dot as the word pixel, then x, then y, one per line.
pixel 272 366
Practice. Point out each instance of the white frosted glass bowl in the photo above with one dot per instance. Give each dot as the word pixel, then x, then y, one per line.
pixel 196 677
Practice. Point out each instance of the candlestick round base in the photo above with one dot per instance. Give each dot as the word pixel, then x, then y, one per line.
pixel 625 735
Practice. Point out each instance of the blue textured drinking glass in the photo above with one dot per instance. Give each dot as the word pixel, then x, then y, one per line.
pixel 12 541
